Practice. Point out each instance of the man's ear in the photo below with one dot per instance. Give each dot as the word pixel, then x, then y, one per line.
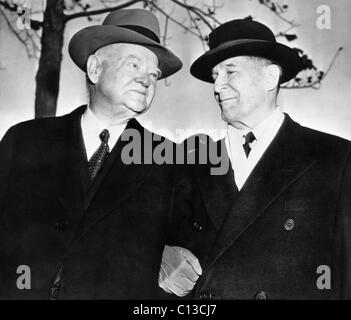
pixel 94 68
pixel 272 75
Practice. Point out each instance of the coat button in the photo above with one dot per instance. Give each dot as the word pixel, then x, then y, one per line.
pixel 205 295
pixel 289 224
pixel 261 295
pixel 197 226
pixel 61 225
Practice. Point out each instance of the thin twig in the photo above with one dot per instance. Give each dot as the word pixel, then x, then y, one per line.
pixel 196 11
pixel 164 37
pixel 167 84
pixel 207 14
pixel 333 60
pixel 8 6
pixel 317 83
pixel 173 20
pixel 13 8
pixel 196 27
pixel 282 33
pixel 17 34
pixel 291 22
pixel 100 11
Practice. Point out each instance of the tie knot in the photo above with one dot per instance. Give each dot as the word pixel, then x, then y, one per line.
pixel 104 136
pixel 249 138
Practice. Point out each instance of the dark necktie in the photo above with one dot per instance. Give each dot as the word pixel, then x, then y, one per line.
pixel 97 159
pixel 249 138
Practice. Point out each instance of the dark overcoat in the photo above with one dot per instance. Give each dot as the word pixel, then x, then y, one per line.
pixel 278 237
pixel 107 237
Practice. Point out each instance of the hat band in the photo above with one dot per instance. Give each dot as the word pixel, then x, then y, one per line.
pixel 144 31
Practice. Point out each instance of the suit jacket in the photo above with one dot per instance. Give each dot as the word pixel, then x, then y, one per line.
pixel 267 241
pixel 108 237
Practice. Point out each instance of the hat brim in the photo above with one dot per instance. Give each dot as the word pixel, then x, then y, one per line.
pixel 88 40
pixel 286 57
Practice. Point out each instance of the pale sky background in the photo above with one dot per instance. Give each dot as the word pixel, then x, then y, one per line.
pixel 188 103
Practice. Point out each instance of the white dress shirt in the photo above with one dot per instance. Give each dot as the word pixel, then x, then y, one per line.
pixel 234 140
pixel 91 129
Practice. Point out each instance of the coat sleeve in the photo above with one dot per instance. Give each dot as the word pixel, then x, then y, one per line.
pixel 6 156
pixel 341 273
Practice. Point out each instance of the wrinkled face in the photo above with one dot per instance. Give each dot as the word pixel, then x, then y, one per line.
pixel 128 76
pixel 239 89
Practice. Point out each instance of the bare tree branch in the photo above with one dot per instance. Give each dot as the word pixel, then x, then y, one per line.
pixel 200 19
pixel 164 42
pixel 310 76
pixel 100 11
pixel 196 27
pixel 180 24
pixel 312 81
pixel 8 6
pixel 31 47
pixel 165 31
pixel 195 11
pixel 278 10
pixel 35 24
pixel 209 14
pixel 283 33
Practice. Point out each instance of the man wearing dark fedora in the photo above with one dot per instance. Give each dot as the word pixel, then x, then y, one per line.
pixel 277 225
pixel 76 220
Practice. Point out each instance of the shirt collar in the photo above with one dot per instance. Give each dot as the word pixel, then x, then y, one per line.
pixel 92 127
pixel 267 123
pixel 90 121
pixel 261 128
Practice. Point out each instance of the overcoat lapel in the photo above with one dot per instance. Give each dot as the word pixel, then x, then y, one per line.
pixel 117 180
pixel 115 172
pixel 63 152
pixel 285 160
pixel 218 191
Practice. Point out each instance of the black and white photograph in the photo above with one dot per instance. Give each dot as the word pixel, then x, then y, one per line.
pixel 189 151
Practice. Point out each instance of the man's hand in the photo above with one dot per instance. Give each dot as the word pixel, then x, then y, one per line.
pixel 179 271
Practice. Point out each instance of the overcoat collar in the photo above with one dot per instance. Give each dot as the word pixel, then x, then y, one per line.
pixel 65 160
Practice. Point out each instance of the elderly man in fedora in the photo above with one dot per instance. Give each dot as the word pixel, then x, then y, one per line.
pixel 76 221
pixel 277 225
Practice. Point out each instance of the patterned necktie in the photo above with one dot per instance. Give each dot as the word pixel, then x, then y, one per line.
pixel 97 159
pixel 249 138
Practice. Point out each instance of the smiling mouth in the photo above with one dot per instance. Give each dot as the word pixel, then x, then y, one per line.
pixel 226 99
pixel 220 101
pixel 140 92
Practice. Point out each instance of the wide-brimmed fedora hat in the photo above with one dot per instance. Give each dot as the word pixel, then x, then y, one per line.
pixel 245 37
pixel 135 26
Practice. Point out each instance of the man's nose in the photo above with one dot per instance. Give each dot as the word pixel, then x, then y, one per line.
pixel 219 84
pixel 144 80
